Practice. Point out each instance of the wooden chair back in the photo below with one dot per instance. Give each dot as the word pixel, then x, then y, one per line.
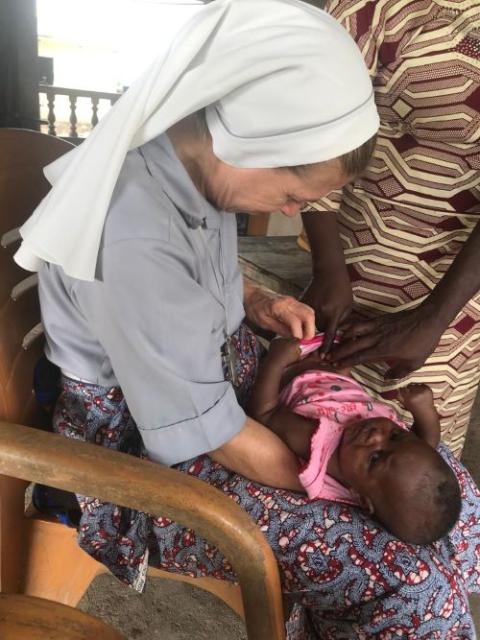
pixel 23 154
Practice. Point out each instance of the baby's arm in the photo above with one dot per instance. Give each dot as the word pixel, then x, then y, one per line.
pixel 418 399
pixel 264 406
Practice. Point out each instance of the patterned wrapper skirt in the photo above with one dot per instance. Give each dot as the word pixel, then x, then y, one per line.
pixel 343 576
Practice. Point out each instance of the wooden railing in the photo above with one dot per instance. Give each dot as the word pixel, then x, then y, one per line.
pixel 73 95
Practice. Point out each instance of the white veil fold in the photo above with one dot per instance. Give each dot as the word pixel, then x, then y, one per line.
pixel 284 85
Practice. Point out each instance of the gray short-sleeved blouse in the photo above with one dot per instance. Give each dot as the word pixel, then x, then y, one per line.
pixel 167 290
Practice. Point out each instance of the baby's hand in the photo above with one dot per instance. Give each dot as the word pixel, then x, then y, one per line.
pixel 285 350
pixel 416 397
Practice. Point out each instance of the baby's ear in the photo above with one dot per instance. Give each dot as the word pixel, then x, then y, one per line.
pixel 366 504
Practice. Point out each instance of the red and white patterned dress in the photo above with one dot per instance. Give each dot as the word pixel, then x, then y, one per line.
pixel 406 219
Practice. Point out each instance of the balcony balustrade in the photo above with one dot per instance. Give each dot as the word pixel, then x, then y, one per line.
pixel 52 92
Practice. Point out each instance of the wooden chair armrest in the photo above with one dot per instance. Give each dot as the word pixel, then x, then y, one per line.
pixel 26 618
pixel 122 479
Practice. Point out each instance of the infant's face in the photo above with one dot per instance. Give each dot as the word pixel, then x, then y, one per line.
pixel 381 461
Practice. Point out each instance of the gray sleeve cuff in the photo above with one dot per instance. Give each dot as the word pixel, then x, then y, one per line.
pixel 189 438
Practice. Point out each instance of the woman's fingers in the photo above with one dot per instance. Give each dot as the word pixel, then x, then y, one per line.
pixel 283 314
pixel 329 335
pixel 294 326
pixel 298 317
pixel 353 352
pixel 279 328
pixel 309 327
pixel 358 328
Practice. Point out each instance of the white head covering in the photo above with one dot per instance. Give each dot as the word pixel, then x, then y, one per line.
pixel 286 86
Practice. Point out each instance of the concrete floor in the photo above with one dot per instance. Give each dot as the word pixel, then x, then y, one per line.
pixel 167 610
pixel 170 610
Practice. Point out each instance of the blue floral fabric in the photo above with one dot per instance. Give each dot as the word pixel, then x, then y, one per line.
pixel 343 576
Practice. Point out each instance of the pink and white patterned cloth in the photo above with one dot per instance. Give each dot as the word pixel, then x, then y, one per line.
pixel 336 401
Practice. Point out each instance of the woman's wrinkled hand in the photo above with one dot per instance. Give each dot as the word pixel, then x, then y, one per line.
pixel 284 315
pixel 331 297
pixel 403 340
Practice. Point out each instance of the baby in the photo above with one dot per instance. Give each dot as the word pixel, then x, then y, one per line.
pixel 358 450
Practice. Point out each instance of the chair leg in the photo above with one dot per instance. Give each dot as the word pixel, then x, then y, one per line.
pixel 12 533
pixel 55 566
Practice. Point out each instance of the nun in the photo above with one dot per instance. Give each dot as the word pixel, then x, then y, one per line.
pixel 256 106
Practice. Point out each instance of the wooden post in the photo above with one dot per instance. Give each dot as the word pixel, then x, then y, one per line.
pixel 51 112
pixel 258 225
pixel 18 64
pixel 94 111
pixel 73 116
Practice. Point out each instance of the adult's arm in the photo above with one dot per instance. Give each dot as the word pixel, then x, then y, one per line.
pixel 163 332
pixel 406 339
pixel 329 291
pixel 259 454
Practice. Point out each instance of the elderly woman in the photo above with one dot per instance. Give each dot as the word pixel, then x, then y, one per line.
pixel 143 303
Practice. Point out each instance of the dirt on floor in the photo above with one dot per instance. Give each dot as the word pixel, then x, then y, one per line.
pixel 167 610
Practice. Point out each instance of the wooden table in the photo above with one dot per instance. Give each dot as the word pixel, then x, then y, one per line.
pixel 276 262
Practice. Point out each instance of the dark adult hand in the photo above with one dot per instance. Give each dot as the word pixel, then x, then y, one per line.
pixel 404 340
pixel 331 297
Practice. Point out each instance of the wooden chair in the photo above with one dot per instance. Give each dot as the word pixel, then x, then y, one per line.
pixel 27 618
pixel 39 557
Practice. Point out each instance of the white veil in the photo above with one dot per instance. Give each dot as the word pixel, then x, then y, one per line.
pixel 285 85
